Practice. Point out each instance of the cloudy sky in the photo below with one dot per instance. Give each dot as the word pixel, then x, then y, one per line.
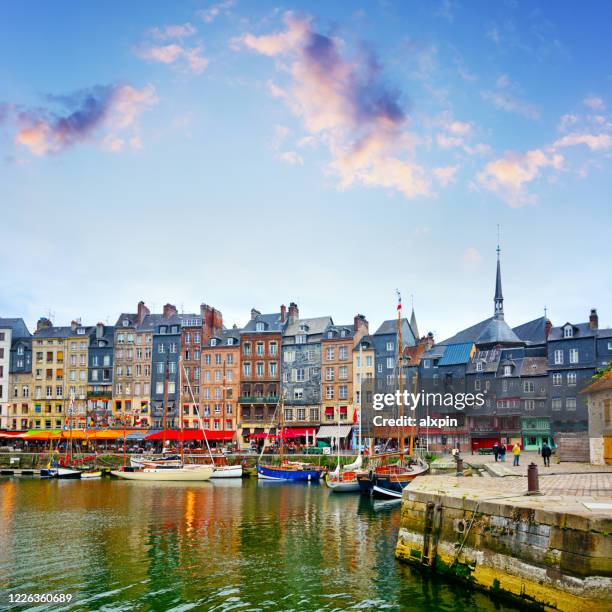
pixel 249 154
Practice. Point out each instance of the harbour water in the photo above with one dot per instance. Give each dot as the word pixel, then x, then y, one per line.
pixel 233 545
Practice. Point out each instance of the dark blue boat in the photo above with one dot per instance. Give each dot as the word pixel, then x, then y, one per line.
pixel 294 473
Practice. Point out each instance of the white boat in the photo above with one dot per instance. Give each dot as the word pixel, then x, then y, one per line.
pixel 91 475
pixel 62 472
pixel 339 486
pixel 227 471
pixel 178 474
pixel 388 493
pixel 145 462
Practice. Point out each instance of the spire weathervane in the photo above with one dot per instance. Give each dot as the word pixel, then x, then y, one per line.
pixel 498 311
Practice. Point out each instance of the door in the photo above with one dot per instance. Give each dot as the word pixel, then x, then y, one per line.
pixel 608 450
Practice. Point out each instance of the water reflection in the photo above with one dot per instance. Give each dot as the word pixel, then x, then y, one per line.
pixel 138 545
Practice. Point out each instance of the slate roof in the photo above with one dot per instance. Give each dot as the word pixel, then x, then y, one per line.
pixel 272 322
pixel 532 332
pixel 367 340
pixel 130 316
pixel 316 325
pixel 456 354
pixel 17 325
pixel 534 366
pixel 490 358
pixel 581 330
pixel 336 329
pixel 54 332
pixel 223 337
pixel 490 331
pixel 435 352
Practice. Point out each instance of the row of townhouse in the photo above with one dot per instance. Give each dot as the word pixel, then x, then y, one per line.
pixel 168 370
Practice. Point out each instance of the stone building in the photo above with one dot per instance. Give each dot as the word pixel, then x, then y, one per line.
pixel 17 371
pixel 77 348
pixel 599 401
pixel 100 376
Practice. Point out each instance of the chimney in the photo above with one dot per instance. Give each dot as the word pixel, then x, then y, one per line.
pixel 141 312
pixel 548 327
pixel 43 323
pixel 294 312
pixel 283 311
pixel 73 325
pixel 99 330
pixel 429 340
pixel 217 321
pixel 254 314
pixel 359 321
pixel 170 311
pixel 593 319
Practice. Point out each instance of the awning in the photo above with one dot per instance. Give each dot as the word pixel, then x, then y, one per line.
pixel 298 432
pixel 188 435
pixel 329 410
pixel 11 434
pixel 334 431
pixel 137 435
pixel 262 436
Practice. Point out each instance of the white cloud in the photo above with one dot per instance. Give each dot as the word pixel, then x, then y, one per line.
pixel 214 10
pixel 594 102
pixel 173 31
pixel 445 174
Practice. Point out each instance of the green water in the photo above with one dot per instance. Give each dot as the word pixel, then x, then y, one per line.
pixel 235 545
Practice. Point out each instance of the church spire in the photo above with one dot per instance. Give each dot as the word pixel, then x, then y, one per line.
pixel 499 298
pixel 413 321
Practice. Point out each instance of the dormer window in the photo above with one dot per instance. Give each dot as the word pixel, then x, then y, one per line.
pixel 330 334
pixel 507 370
pixel 343 333
pixel 260 327
pixel 479 366
pixel 303 327
pixel 568 331
pixel 213 342
pixel 230 341
pixel 81 331
pixel 125 322
pixel 162 329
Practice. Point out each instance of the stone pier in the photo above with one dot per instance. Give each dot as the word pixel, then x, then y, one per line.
pixel 550 551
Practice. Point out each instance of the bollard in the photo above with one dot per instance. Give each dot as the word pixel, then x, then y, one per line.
pixel 533 485
pixel 459 461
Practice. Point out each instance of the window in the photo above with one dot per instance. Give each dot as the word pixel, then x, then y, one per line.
pixel 571 379
pixel 259 349
pixel 329 353
pixel 273 348
pixel 343 392
pixel 246 348
pixel 329 392
pixel 568 331
pixel 427 364
pixel 300 339
pixel 299 374
pixel 507 370
pixel 343 373
pixel 556 403
pixel 570 403
pixel 504 385
pixel 390 346
pixel 314 414
pixel 213 342
pixel 557 380
pixel 288 414
pixel 301 414
pixel 273 367
pixel 173 347
pixel 329 373
pixel 343 352
pixel 298 394
pixel 289 356
pixel 573 356
pixel 558 354
pixel 259 368
pixel 436 380
pixel 368 361
pixel 207 359
pixel 390 363
pixel 379 368
pixel 477 385
pixel 246 369
pixel 528 386
pixel 260 327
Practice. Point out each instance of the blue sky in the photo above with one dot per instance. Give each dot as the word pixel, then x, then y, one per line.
pixel 250 154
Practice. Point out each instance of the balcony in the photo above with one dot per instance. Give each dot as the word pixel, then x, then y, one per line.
pixel 99 394
pixel 257 399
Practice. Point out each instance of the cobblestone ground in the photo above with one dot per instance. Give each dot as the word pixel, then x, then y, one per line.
pixel 580 479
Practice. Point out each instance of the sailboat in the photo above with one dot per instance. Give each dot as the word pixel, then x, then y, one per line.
pixel 290 471
pixel 174 473
pixel 389 480
pixel 344 479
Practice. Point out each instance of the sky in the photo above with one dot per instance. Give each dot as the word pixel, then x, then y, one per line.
pixel 250 154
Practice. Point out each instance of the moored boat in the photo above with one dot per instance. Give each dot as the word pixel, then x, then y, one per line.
pixel 289 471
pixel 91 474
pixel 64 472
pixel 176 474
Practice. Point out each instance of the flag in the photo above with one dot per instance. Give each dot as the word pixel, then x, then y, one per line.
pixel 355 416
pixel 399 301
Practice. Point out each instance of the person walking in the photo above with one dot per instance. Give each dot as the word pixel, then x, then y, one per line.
pixel 546 453
pixel 496 451
pixel 516 451
pixel 502 453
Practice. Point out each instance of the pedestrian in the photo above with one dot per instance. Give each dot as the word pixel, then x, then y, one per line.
pixel 546 453
pixel 496 451
pixel 516 451
pixel 502 453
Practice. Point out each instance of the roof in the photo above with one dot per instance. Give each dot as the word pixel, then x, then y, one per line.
pixel 272 323
pixel 601 384
pixel 435 352
pixel 336 330
pixel 456 354
pixel 223 337
pixel 316 325
pixel 366 341
pixel 17 326
pixel 490 358
pixel 581 330
pixel 415 353
pixel 54 332
pixel 534 366
pixel 532 332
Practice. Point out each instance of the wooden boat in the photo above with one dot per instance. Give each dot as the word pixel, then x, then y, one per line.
pixel 345 482
pixel 176 474
pixel 292 471
pixel 392 482
pixel 227 471
pixel 151 462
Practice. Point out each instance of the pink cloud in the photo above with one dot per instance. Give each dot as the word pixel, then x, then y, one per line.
pixel 173 31
pixel 594 102
pixel 169 54
pixel 445 174
pixel 595 142
pixel 102 109
pixel 509 176
pixel 345 105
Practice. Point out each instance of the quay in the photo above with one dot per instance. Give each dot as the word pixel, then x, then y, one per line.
pixel 550 551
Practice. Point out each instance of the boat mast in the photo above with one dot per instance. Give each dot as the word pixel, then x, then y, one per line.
pixel 200 421
pixel 165 418
pixel 400 358
pixel 180 408
pixel 360 391
pixel 282 426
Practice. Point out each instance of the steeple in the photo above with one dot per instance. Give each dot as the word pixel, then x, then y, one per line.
pixel 413 321
pixel 499 298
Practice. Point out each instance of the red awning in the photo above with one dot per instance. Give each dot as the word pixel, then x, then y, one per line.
pixel 262 436
pixel 343 409
pixel 329 410
pixel 11 434
pixel 188 435
pixel 298 432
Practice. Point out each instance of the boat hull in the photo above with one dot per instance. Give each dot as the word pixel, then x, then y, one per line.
pixel 384 493
pixel 227 471
pixel 167 474
pixel 67 473
pixel 292 475
pixel 349 486
pixel 91 475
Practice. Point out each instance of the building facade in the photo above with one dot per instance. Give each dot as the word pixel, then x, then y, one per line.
pixel 100 376
pixel 19 410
